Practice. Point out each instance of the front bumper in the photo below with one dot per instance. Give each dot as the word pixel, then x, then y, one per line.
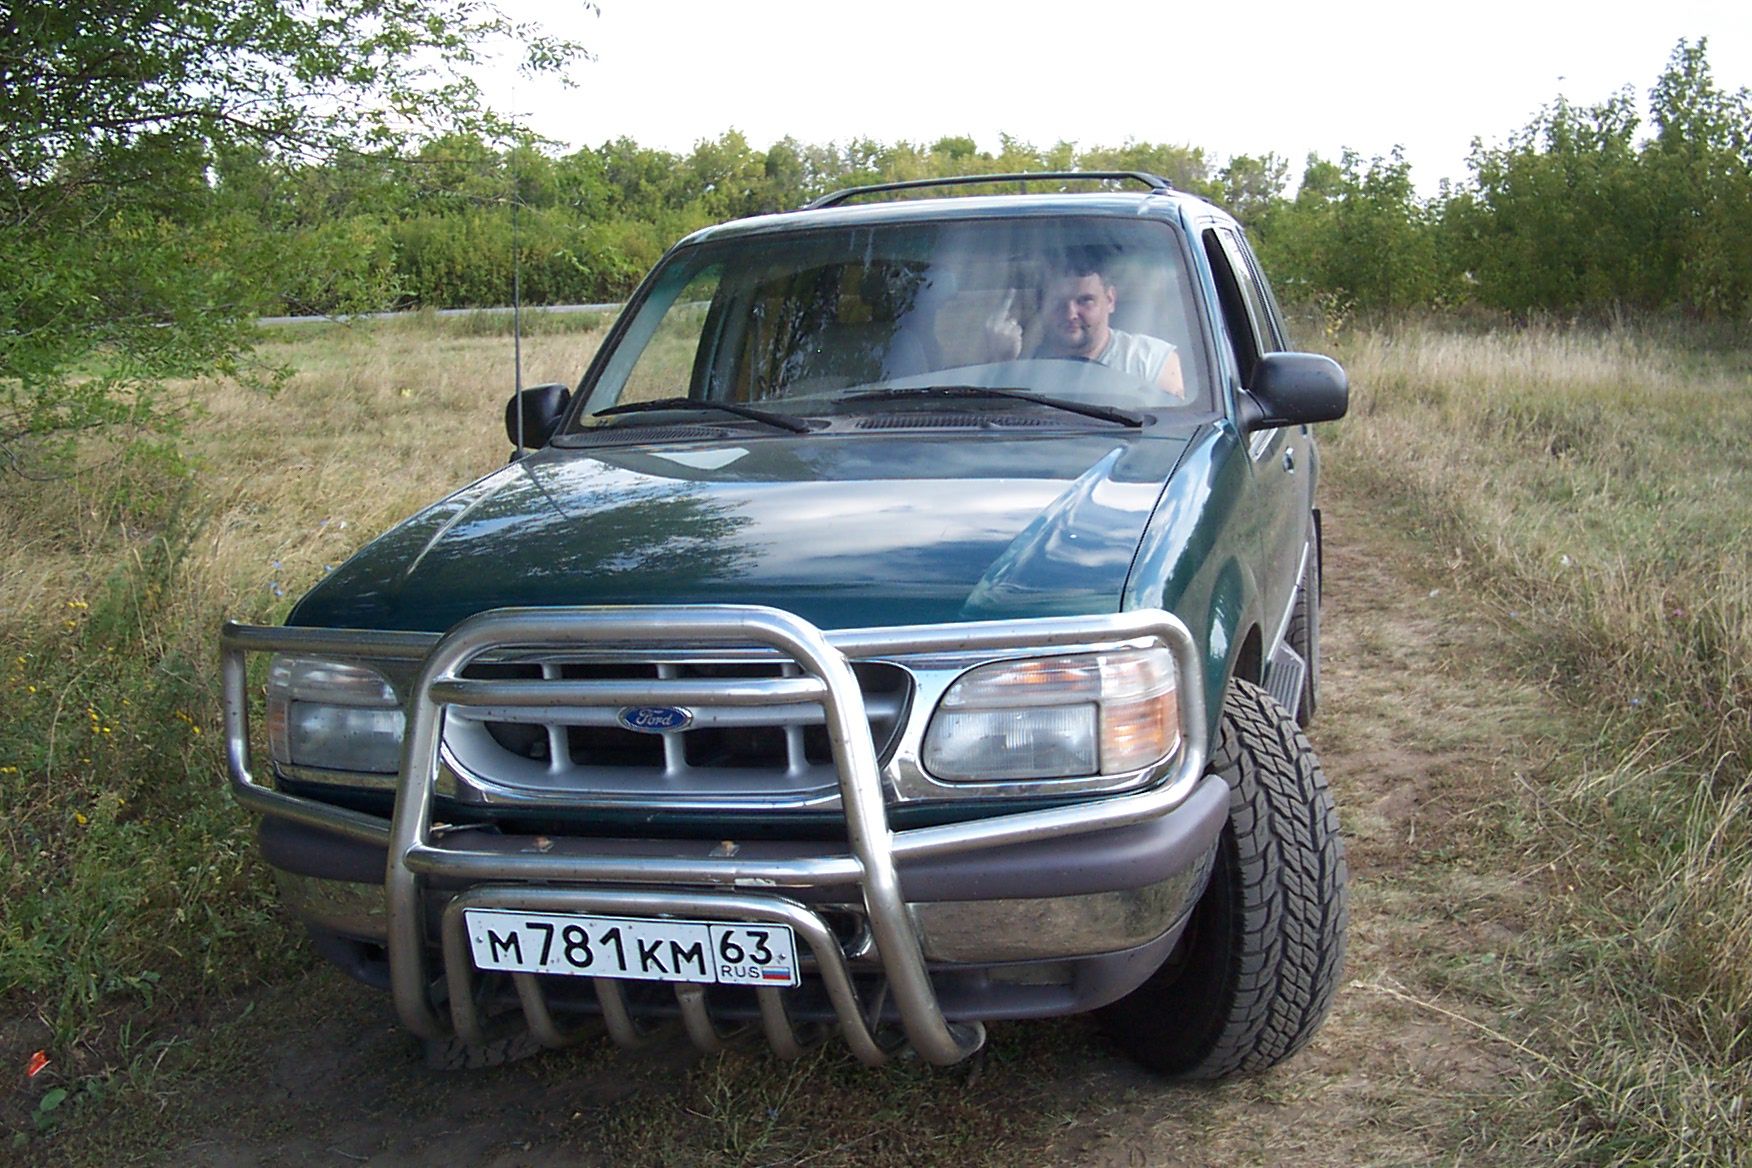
pixel 1019 914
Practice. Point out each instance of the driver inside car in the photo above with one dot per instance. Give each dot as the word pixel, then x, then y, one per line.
pixel 1077 307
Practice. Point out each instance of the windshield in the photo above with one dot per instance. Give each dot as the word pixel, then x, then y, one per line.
pixel 1085 310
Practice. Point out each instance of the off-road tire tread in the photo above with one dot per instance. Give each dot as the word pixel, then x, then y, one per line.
pixel 1273 935
pixel 1291 876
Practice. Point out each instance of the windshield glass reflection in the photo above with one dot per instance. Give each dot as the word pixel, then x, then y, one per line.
pixel 1091 310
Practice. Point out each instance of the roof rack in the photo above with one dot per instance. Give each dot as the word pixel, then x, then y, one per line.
pixel 1157 184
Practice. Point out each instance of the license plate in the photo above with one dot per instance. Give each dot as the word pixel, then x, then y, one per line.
pixel 639 948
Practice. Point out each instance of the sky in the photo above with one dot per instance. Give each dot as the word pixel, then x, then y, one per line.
pixel 1250 78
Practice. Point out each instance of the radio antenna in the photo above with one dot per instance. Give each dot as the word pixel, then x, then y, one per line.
pixel 516 280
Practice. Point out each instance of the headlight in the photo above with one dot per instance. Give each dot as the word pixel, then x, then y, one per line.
pixel 333 715
pixel 1056 718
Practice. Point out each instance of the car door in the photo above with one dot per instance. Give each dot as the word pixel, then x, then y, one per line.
pixel 1280 460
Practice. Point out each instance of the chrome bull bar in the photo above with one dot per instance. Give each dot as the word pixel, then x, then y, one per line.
pixel 781 1036
pixel 716 887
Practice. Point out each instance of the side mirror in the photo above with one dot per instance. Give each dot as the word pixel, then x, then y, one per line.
pixel 539 408
pixel 1290 389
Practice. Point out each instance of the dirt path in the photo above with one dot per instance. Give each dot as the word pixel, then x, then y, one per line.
pixel 1421 738
pixel 1418 739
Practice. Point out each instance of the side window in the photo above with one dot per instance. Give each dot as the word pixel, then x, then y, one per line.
pixel 1271 303
pixel 1238 326
pixel 1253 291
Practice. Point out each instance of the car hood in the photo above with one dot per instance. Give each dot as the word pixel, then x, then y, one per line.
pixel 846 531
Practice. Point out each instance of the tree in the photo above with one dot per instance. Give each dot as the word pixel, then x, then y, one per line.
pixel 1699 172
pixel 1561 220
pixel 118 121
pixel 1581 212
pixel 1357 233
pixel 1251 186
pixel 726 176
pixel 1184 166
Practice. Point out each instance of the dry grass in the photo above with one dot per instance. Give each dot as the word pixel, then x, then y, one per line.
pixel 377 422
pixel 128 887
pixel 1593 487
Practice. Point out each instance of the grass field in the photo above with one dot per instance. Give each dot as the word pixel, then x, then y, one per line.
pixel 127 889
pixel 1593 488
pixel 1590 489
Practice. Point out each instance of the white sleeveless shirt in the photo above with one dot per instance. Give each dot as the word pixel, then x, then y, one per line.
pixel 1136 354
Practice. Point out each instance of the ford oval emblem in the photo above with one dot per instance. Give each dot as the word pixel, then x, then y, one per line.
pixel 654 719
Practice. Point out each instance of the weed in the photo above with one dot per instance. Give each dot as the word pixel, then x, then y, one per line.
pixel 1588 486
pixel 1584 483
pixel 129 890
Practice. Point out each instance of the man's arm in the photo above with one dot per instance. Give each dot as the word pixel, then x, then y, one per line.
pixel 1169 379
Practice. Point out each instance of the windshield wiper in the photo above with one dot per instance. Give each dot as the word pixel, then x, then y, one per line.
pixel 688 403
pixel 1087 409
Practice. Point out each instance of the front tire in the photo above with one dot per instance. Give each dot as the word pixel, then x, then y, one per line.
pixel 1255 971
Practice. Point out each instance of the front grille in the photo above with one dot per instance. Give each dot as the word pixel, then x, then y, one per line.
pixel 728 755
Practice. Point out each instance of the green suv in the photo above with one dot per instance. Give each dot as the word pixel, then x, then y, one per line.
pixel 905 624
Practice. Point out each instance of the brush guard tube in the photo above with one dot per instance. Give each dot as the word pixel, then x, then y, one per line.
pixel 709 888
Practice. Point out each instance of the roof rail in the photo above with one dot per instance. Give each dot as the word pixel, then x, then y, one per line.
pixel 1156 183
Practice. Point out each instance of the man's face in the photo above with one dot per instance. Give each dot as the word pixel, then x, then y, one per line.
pixel 1077 311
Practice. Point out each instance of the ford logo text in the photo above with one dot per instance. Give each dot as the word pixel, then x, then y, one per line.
pixel 654 719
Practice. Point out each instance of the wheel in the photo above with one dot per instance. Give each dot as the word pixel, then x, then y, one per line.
pixel 1255 970
pixel 1304 635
